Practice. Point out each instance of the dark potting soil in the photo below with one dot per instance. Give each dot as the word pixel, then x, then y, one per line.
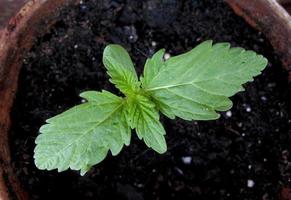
pixel 242 156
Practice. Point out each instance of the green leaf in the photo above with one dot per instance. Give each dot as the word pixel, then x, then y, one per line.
pixel 153 66
pixel 81 137
pixel 121 69
pixel 198 83
pixel 142 115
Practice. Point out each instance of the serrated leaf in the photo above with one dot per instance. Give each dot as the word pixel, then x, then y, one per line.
pixel 120 67
pixel 142 115
pixel 153 66
pixel 81 137
pixel 197 84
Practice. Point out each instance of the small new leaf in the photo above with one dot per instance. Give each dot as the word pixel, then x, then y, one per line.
pixel 142 115
pixel 120 67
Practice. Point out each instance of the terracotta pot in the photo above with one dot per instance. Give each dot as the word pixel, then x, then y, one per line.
pixel 34 18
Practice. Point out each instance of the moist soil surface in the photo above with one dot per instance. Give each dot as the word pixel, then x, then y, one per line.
pixel 244 155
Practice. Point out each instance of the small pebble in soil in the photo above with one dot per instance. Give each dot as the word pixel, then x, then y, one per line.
pixel 271 85
pixel 261 39
pixel 130 31
pixel 179 171
pixel 239 124
pixel 228 113
pixel 131 37
pixel 139 185
pixel 198 39
pixel 83 7
pixel 187 160
pixel 250 183
pixel 263 98
pixel 167 56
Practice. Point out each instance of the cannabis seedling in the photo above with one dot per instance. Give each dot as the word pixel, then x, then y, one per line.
pixel 192 86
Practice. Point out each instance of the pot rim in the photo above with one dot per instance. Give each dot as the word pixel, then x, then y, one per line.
pixel 33 19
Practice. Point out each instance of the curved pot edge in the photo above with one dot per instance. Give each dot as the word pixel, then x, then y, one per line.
pixel 269 17
pixel 35 17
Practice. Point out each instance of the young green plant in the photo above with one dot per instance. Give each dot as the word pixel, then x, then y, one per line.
pixel 193 86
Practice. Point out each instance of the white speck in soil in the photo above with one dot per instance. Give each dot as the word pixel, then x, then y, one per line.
pixel 243 134
pixel 131 37
pixel 75 46
pixel 93 58
pixel 250 183
pixel 154 170
pixel 271 85
pixel 167 56
pixel 198 133
pixel 265 159
pixel 83 100
pixel 179 170
pixel 248 109
pixel 228 113
pixel 259 141
pixel 83 7
pixel 250 167
pixel 154 43
pixel 240 124
pixel 139 185
pixel 198 39
pixel 263 98
pixel 187 160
